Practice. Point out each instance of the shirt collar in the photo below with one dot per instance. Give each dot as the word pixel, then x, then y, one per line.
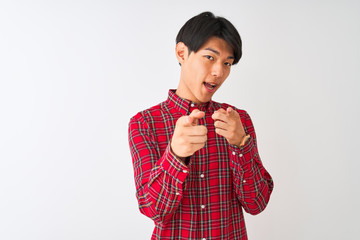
pixel 185 106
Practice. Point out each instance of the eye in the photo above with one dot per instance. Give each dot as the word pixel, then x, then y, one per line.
pixel 228 64
pixel 209 57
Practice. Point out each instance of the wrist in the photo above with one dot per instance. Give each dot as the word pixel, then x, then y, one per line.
pixel 185 160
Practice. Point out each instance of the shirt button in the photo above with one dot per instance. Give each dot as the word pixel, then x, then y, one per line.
pixel 177 193
pixel 192 105
pixel 202 175
pixel 202 206
pixel 244 181
pixel 233 153
pixel 203 238
pixel 240 155
pixel 185 171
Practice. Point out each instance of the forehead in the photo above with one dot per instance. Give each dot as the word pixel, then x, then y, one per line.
pixel 219 45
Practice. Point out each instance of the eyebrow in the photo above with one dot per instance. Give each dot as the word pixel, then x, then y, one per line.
pixel 217 52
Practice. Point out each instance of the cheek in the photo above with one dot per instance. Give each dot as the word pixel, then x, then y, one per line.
pixel 226 74
pixel 199 71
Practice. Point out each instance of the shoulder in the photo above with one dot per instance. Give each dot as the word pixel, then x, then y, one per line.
pixel 148 114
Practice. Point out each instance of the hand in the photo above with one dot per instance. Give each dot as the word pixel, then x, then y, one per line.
pixel 228 124
pixel 188 135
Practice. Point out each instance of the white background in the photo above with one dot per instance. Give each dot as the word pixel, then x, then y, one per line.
pixel 72 73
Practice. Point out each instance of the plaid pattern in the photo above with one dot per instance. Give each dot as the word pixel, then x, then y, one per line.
pixel 204 199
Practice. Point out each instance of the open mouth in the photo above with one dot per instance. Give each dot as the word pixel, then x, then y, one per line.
pixel 210 86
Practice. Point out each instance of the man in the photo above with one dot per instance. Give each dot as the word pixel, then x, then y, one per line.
pixel 196 162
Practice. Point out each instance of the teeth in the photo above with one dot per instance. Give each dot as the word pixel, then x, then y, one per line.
pixel 210 86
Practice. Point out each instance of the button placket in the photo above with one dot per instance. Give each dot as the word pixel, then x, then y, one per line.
pixel 202 170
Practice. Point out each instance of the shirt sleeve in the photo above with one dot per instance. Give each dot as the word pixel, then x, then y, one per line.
pixel 253 184
pixel 159 179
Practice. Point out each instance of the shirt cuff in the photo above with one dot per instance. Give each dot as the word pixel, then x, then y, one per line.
pixel 244 154
pixel 173 165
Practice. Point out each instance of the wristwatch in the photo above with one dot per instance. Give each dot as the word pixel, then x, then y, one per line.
pixel 244 140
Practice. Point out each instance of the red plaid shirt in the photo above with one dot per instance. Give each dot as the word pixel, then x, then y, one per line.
pixel 204 199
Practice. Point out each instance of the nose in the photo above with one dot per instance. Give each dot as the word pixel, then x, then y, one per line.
pixel 217 70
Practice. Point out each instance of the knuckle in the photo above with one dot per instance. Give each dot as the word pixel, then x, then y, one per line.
pixel 202 130
pixel 179 121
pixel 205 130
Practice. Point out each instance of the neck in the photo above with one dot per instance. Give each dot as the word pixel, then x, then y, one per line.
pixel 183 92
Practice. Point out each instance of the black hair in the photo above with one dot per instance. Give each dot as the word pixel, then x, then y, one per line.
pixel 197 30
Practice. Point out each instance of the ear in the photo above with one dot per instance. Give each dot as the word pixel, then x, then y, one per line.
pixel 181 52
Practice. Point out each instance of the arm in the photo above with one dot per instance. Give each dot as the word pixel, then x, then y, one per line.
pixel 159 179
pixel 252 183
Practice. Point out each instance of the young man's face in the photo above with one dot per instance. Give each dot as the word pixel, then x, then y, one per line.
pixel 203 72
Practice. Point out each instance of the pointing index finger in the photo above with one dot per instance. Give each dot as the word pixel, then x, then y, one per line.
pixel 196 113
pixel 194 116
pixel 220 114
